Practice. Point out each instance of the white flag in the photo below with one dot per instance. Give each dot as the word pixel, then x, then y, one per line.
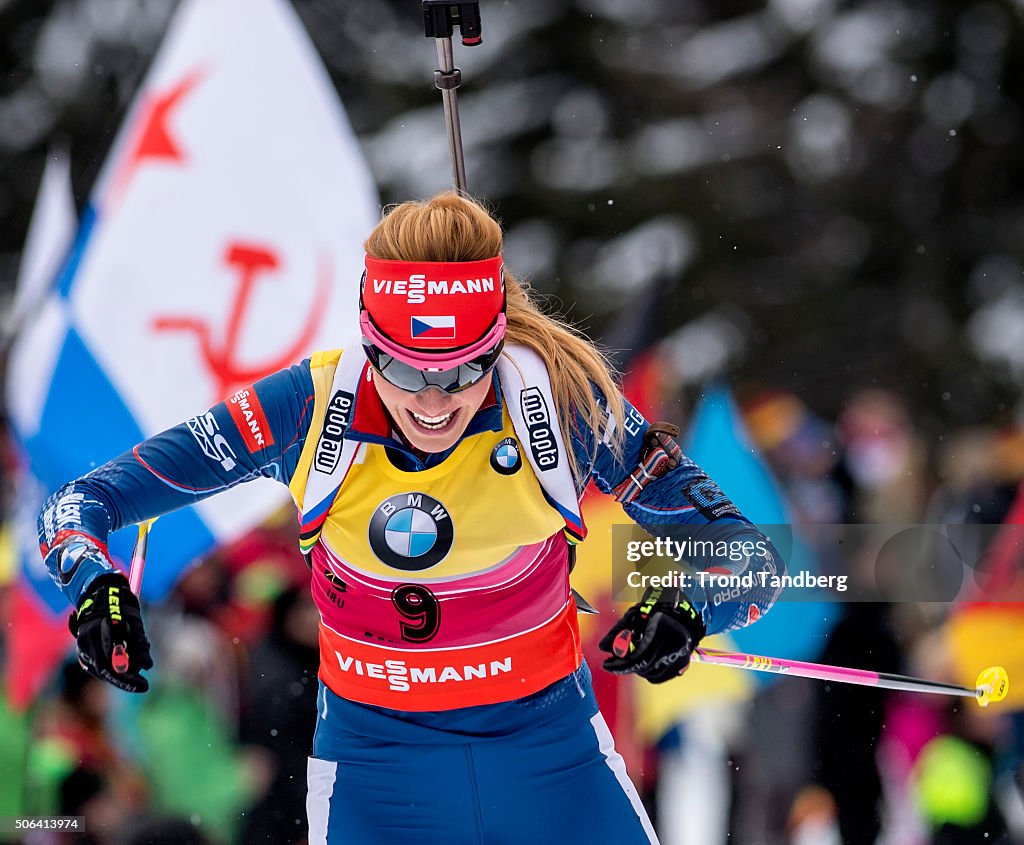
pixel 223 242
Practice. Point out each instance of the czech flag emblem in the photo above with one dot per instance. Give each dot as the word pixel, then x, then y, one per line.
pixel 437 328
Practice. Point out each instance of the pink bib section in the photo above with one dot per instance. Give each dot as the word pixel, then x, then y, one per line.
pixel 513 596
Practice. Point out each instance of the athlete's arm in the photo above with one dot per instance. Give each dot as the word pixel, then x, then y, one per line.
pixel 685 496
pixel 258 432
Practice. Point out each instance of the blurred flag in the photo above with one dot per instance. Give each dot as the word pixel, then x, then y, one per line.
pixel 632 341
pixel 719 443
pixel 37 639
pixel 50 234
pixel 988 628
pixel 222 242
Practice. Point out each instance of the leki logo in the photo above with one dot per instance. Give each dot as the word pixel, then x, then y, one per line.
pixel 220 353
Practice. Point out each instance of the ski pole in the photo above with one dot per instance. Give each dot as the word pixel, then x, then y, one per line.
pixel 119 654
pixel 139 556
pixel 440 17
pixel 992 685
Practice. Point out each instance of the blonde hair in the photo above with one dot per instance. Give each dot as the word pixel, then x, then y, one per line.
pixel 450 227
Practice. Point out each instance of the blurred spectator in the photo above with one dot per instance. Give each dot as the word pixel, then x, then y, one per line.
pixel 812 818
pixel 802 452
pixel 883 460
pixel 774 768
pixel 86 793
pixel 193 761
pixel 280 716
pixel 166 832
pixel 16 732
pixel 848 721
pixel 189 646
pixel 73 735
pixel 953 779
pixel 188 721
pixel 256 569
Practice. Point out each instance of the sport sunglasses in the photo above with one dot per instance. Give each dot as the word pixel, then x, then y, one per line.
pixel 412 379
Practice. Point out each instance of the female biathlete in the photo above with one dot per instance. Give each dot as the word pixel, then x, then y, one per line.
pixel 437 465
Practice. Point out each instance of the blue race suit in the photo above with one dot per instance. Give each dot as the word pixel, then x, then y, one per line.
pixel 540 768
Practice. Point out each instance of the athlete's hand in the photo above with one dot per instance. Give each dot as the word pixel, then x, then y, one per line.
pixel 112 643
pixel 656 637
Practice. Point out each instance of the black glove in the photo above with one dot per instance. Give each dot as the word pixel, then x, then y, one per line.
pixel 656 637
pixel 112 643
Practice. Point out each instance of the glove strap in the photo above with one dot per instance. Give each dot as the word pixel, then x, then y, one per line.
pixel 660 454
pixel 678 603
pixel 98 600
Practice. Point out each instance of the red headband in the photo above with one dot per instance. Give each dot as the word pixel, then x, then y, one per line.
pixel 433 313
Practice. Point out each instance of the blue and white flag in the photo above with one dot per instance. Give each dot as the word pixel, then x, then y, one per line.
pixel 221 243
pixel 718 441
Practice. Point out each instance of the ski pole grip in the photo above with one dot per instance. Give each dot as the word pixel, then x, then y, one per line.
pixel 440 17
pixel 119 659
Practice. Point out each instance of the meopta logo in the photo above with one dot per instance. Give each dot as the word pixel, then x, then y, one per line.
pixel 206 431
pixel 336 421
pixel 251 422
pixel 411 531
pixel 538 425
pixel 418 287
pixel 400 676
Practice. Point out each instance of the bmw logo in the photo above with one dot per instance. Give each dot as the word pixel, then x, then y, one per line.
pixel 506 458
pixel 411 531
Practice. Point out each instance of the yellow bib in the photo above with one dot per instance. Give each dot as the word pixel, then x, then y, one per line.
pixel 474 510
pixel 443 588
